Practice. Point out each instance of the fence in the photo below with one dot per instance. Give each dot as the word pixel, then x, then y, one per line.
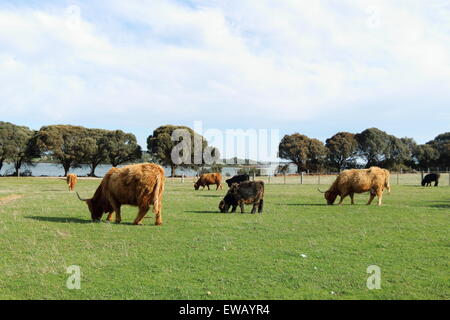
pixel 397 178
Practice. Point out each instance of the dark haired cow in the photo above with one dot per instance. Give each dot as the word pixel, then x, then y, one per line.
pixel 237 179
pixel 429 178
pixel 138 185
pixel 246 192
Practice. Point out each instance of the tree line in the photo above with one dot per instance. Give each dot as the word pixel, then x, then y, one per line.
pixel 71 146
pixel 371 147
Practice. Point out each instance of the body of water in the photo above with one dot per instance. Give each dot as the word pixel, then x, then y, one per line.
pixel 55 170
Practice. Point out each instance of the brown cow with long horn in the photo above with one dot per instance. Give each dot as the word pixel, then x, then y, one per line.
pixel 138 185
pixel 354 181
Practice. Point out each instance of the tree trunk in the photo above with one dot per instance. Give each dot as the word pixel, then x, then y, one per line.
pixel 172 168
pixel 1 163
pixel 92 173
pixel 66 169
pixel 17 165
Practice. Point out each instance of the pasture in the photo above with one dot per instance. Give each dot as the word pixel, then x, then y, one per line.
pixel 299 248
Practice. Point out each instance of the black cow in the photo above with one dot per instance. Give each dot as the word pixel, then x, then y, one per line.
pixel 429 178
pixel 247 192
pixel 237 179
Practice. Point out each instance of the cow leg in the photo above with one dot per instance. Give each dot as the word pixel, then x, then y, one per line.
pixel 109 218
pixel 342 199
pixel 233 210
pixel 372 195
pixel 254 207
pixel 141 214
pixel 436 183
pixel 208 187
pixel 242 207
pixel 352 196
pixel 380 196
pixel 261 205
pixel 116 208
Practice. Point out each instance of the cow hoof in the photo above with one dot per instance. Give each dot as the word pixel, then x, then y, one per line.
pixel 158 223
pixel 117 222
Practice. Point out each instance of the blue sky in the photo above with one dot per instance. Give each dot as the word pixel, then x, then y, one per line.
pixel 298 66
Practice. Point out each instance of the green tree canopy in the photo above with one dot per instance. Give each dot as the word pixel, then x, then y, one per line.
pixel 425 156
pixel 305 153
pixel 396 153
pixel 442 144
pixel 372 146
pixel 122 147
pixel 68 145
pixel 95 148
pixel 17 144
pixel 342 149
pixel 161 145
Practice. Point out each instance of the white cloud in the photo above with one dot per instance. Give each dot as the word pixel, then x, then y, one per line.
pixel 155 62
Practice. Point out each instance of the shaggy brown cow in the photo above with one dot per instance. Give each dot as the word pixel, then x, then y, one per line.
pixel 71 181
pixel 387 181
pixel 139 185
pixel 207 179
pixel 354 181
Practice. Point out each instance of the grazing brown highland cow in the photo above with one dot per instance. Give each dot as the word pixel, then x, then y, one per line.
pixel 138 185
pixel 71 181
pixel 354 181
pixel 208 179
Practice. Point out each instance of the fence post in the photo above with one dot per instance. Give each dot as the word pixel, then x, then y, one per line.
pixel 398 178
pixel 269 179
pixel 301 177
pixel 182 177
pixel 318 178
pixel 284 175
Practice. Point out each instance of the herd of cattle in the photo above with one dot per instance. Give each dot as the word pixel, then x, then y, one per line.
pixel 142 185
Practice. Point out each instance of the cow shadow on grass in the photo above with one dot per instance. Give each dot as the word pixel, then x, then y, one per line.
pixel 202 211
pixel 441 204
pixel 303 204
pixel 59 219
pixel 210 196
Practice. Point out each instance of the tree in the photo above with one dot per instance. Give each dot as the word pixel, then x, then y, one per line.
pixel 317 155
pixel 122 147
pixel 372 146
pixel 17 144
pixel 305 153
pixel 6 141
pixel 442 144
pixel 425 156
pixel 67 144
pixel 294 147
pixel 95 148
pixel 396 153
pixel 342 149
pixel 161 145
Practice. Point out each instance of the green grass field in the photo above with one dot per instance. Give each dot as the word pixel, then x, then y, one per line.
pixel 201 254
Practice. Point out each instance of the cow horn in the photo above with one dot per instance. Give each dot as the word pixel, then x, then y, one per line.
pixel 81 198
pixel 320 190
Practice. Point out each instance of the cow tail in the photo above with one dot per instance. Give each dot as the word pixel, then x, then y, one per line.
pixel 159 188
